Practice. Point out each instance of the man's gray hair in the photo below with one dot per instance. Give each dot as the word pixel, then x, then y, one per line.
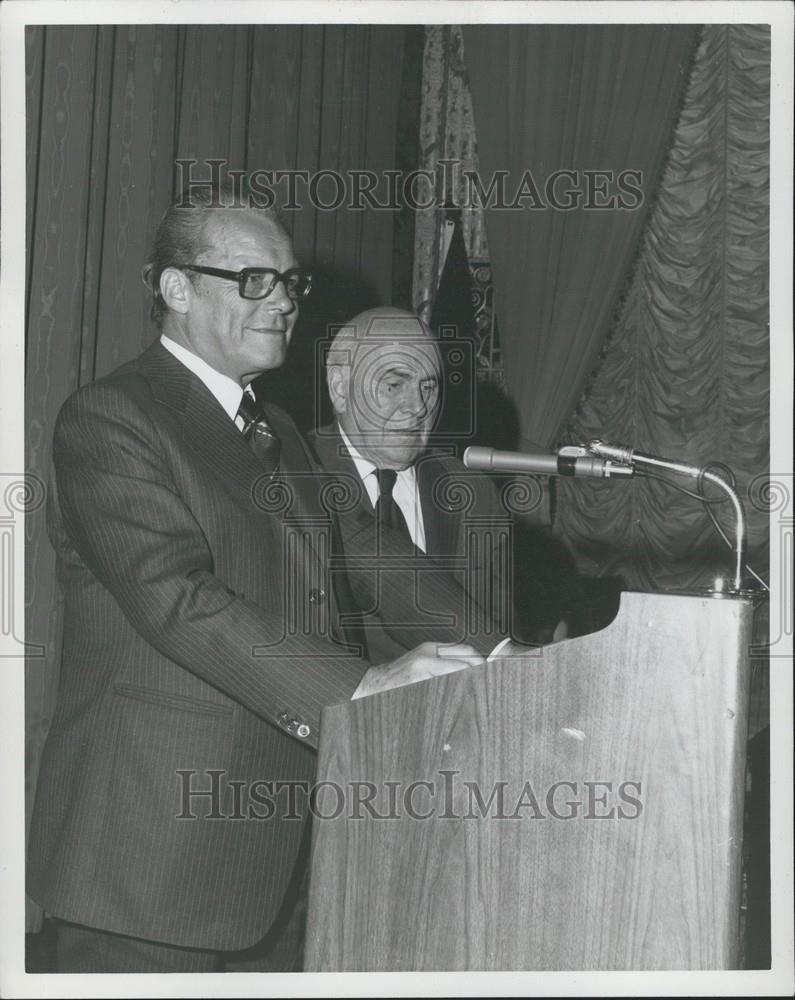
pixel 180 238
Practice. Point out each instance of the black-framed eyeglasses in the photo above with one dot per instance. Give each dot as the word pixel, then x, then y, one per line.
pixel 259 282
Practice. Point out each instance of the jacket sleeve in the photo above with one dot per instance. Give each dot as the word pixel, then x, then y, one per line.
pixel 138 537
pixel 486 543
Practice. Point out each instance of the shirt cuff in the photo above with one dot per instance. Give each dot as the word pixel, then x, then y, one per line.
pixel 494 654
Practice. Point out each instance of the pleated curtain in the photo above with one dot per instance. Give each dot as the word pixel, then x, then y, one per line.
pixel 109 111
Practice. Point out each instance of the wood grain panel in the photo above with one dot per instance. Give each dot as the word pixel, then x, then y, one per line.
pixel 560 876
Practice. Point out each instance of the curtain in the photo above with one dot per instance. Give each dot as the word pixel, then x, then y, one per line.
pixel 447 132
pixel 550 98
pixel 686 371
pixel 109 110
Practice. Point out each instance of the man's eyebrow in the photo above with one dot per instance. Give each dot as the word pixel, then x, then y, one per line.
pixel 397 372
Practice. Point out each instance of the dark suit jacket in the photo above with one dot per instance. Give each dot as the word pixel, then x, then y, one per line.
pixel 196 639
pixel 458 592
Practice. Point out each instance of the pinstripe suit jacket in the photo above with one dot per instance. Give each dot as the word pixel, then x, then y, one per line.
pixel 459 591
pixel 196 639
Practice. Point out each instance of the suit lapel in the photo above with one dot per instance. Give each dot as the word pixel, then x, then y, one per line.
pixel 442 522
pixel 336 460
pixel 205 426
pixel 299 470
pixel 210 434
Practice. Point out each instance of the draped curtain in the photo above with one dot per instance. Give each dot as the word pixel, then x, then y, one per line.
pixel 668 351
pixel 550 98
pixel 109 110
pixel 686 371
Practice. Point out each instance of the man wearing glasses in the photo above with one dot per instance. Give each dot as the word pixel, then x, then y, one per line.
pixel 169 832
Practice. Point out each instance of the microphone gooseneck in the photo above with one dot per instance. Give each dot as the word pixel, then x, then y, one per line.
pixel 621 453
pixel 601 460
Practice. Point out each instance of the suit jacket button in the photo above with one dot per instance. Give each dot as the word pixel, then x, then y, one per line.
pixel 317 596
pixel 303 731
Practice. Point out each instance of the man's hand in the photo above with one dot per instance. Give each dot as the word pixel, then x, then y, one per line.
pixel 429 659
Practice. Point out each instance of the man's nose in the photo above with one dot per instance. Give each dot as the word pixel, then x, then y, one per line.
pixel 414 402
pixel 279 300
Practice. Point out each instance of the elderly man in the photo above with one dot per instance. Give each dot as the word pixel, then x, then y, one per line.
pixel 426 544
pixel 197 649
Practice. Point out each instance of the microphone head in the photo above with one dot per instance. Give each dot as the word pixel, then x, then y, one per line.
pixel 478 458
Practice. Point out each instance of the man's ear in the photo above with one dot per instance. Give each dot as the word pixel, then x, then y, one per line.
pixel 176 289
pixel 337 388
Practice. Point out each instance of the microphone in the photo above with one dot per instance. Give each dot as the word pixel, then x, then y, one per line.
pixel 569 461
pixel 628 456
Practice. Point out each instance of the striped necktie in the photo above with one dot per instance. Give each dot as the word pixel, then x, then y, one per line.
pixel 258 432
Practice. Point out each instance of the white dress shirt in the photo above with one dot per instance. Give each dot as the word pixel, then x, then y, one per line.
pixel 406 491
pixel 407 497
pixel 225 389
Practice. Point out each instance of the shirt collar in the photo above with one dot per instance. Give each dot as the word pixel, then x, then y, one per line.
pixel 365 467
pixel 225 389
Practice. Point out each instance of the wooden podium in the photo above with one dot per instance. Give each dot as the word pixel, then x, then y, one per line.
pixel 577 809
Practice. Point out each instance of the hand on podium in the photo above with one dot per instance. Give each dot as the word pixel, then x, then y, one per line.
pixel 509 648
pixel 429 659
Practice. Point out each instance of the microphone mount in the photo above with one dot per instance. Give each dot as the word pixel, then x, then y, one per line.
pixel 628 456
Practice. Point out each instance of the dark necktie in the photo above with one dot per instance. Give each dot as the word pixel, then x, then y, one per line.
pixel 387 511
pixel 258 432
